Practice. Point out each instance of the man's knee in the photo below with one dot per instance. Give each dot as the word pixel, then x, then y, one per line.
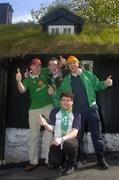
pixel 70 145
pixel 55 156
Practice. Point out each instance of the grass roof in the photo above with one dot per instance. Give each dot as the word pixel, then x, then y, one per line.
pixel 22 39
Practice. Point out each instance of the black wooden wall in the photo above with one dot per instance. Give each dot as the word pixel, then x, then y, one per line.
pixel 108 100
pixel 3 99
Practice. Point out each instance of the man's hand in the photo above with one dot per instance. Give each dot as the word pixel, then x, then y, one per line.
pixel 109 81
pixel 57 141
pixel 42 120
pixel 62 61
pixel 18 75
pixel 26 74
pixel 50 90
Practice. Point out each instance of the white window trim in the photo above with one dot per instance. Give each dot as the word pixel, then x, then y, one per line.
pixel 90 63
pixel 61 28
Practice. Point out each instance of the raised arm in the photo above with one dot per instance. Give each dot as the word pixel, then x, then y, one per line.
pixel 20 86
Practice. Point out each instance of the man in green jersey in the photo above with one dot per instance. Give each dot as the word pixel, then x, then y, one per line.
pixel 37 85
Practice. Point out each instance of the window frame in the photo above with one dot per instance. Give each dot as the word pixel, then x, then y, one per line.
pixel 61 29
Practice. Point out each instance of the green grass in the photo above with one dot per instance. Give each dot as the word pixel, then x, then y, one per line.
pixel 21 39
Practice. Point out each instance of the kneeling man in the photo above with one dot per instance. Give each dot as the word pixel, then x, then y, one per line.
pixel 64 123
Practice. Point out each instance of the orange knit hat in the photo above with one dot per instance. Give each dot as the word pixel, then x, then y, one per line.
pixel 72 58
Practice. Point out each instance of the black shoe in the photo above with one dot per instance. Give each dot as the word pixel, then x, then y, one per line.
pixel 80 164
pixel 102 164
pixel 31 167
pixel 68 171
pixel 64 166
pixel 49 166
pixel 42 161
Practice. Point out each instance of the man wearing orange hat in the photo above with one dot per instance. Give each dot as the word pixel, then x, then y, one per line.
pixel 37 85
pixel 84 84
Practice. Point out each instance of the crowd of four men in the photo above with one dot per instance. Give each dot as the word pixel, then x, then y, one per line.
pixel 63 100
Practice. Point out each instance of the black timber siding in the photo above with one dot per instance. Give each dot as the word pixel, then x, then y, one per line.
pixel 3 99
pixel 108 100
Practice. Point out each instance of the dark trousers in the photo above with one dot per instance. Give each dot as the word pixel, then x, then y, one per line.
pixel 91 117
pixel 58 155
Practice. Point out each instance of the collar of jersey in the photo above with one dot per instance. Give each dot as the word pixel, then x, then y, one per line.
pixel 34 76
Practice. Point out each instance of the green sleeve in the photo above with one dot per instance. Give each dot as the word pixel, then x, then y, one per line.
pixel 98 85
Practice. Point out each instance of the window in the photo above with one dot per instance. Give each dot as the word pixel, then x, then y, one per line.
pixel 67 30
pixel 64 30
pixel 61 29
pixel 88 65
pixel 57 30
pixel 54 30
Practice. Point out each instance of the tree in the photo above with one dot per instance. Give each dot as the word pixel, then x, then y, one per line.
pixel 37 14
pixel 93 11
pixel 45 9
pixel 100 11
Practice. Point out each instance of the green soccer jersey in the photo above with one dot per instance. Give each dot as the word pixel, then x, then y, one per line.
pixel 37 88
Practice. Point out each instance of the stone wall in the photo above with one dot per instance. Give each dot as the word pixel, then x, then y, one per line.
pixel 17 142
pixel 111 141
pixel 17 145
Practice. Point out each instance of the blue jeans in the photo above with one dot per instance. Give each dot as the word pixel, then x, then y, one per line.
pixel 91 117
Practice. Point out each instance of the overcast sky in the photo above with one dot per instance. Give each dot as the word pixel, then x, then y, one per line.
pixel 22 8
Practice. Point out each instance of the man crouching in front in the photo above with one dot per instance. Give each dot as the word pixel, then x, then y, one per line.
pixel 64 123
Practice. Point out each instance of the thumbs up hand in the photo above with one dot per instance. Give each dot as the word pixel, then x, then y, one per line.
pixel 50 90
pixel 109 81
pixel 18 75
pixel 62 61
pixel 26 74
